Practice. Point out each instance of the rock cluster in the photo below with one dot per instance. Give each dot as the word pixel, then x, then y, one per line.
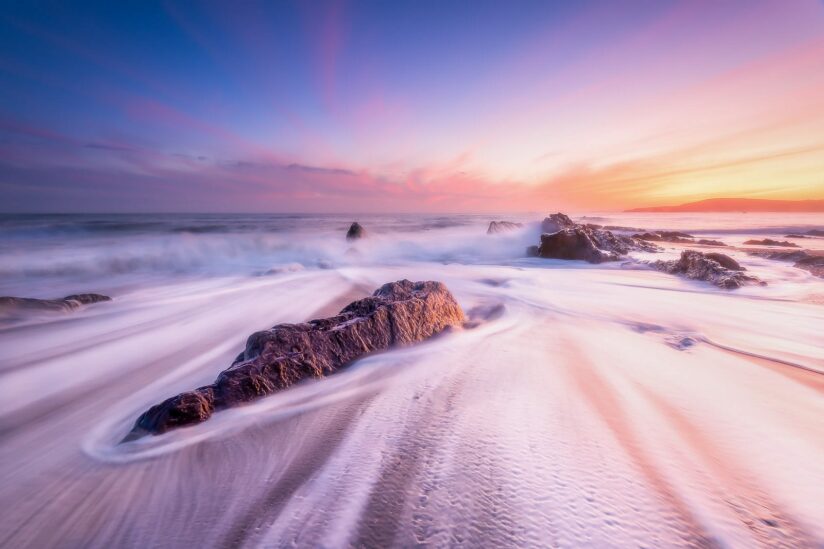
pixel 718 269
pixel 565 239
pixel 802 259
pixel 398 313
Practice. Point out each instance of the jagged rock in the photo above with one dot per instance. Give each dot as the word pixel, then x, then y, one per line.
pixel 556 222
pixel 502 227
pixel 699 266
pixel 707 242
pixel 771 242
pixel 398 313
pixel 574 243
pixel 802 259
pixel 355 231
pixel 13 306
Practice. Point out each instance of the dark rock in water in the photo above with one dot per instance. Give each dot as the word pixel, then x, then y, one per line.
pixel 665 236
pixel 556 222
pixel 593 226
pixel 699 266
pixel 771 242
pixel 802 259
pixel 398 313
pixel 816 232
pixel 725 261
pixel 707 242
pixel 13 306
pixel 355 231
pixel 795 236
pixel 574 243
pixel 622 228
pixel 532 251
pixel 502 227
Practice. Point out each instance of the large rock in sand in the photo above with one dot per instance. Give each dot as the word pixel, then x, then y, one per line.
pixel 398 313
pixel 699 266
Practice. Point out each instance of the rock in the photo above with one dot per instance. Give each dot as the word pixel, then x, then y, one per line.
pixel 355 232
pixel 12 306
pixel 771 242
pixel 802 259
pixel 699 266
pixel 725 261
pixel 398 313
pixel 707 242
pixel 574 243
pixel 795 236
pixel 502 227
pixel 532 251
pixel 665 236
pixel 815 232
pixel 556 222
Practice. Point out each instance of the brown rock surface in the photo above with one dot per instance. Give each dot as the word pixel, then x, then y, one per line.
pixel 398 313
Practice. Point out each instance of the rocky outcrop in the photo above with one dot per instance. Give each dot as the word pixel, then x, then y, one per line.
pixel 771 242
pixel 355 232
pixel 802 259
pixel 574 243
pixel 708 242
pixel 584 242
pixel 496 227
pixel 12 306
pixel 556 222
pixel 398 313
pixel 665 236
pixel 699 266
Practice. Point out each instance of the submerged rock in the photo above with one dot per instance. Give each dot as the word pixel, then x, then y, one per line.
pixel 11 306
pixel 502 227
pixel 700 266
pixel 795 236
pixel 355 231
pixel 398 313
pixel 556 222
pixel 771 242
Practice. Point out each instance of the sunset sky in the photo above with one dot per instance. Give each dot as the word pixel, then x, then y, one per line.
pixel 413 106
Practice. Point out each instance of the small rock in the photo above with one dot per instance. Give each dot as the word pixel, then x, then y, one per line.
pixel 355 232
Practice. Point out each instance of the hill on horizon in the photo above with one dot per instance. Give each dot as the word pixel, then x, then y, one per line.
pixel 740 205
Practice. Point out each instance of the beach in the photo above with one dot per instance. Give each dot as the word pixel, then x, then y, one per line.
pixel 596 405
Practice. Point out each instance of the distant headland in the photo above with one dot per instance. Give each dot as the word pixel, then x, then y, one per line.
pixel 740 205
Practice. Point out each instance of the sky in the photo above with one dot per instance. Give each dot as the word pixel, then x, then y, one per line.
pixel 424 106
